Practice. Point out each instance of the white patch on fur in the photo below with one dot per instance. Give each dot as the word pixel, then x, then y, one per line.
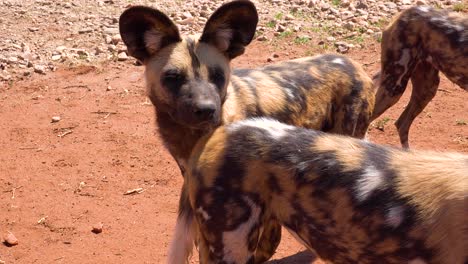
pixel 235 242
pixel 181 246
pixel 417 261
pixel 338 61
pixel 404 60
pixel 371 180
pixel 423 9
pixel 395 216
pixel 274 128
pixel 289 93
pixel 223 38
pixel 153 40
pixel 204 214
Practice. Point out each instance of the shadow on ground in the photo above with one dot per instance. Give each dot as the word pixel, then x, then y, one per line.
pixel 298 258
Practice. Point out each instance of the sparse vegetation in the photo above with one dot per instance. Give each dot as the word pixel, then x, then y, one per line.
pixel 460 7
pixel 271 24
pixel 279 16
pixel 380 125
pixel 285 34
pixel 336 2
pixel 461 123
pixel 301 40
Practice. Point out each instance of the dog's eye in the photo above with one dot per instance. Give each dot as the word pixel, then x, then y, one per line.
pixel 217 77
pixel 173 79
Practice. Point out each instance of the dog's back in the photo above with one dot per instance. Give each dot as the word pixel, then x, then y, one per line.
pixel 346 199
pixel 331 93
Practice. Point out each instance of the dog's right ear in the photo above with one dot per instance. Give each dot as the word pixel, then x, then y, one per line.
pixel 146 30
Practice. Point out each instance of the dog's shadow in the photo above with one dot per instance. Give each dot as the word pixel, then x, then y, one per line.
pixel 302 257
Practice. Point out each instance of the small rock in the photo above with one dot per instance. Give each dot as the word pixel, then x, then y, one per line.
pixel 342 49
pixel 97 228
pixel 56 119
pixel 122 56
pixel 108 39
pixel 270 59
pixel 109 88
pixel 262 38
pixel 33 29
pixel 391 5
pixel 12 60
pixel 85 30
pixel 331 39
pixel 110 31
pixel 116 39
pixel 187 21
pixel 289 17
pixel 56 57
pixel 280 28
pixel 186 15
pixel 349 25
pixel 39 69
pixel 275 55
pixel 361 5
pixel 421 2
pixel 10 239
pixel 60 49
pixel 324 6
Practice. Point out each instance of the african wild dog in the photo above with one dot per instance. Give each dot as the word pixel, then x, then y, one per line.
pixel 419 43
pixel 348 200
pixel 194 90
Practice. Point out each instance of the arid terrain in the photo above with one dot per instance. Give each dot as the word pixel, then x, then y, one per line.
pixel 78 140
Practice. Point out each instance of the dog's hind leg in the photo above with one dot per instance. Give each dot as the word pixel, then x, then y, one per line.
pixel 425 80
pixel 269 241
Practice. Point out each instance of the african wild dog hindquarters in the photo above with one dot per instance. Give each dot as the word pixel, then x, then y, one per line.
pixel 417 45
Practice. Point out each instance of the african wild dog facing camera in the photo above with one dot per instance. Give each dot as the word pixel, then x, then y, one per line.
pixel 194 90
pixel 419 43
pixel 346 199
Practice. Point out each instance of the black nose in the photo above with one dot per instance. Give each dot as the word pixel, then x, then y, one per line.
pixel 205 110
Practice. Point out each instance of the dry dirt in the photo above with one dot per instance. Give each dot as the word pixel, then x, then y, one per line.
pixel 58 180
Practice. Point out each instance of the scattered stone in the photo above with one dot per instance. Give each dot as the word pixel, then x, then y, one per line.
pixel 85 30
pixel 56 119
pixel 39 69
pixel 116 39
pixel 342 49
pixel 33 29
pixel 12 60
pixel 289 17
pixel 275 55
pixel 56 57
pixel 97 228
pixel 331 39
pixel 122 56
pixel 10 240
pixel 262 38
pixel 60 49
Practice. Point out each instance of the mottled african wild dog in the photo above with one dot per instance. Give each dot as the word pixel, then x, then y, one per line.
pixel 419 43
pixel 194 90
pixel 346 199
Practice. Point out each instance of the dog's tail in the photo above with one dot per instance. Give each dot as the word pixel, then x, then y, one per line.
pixel 181 246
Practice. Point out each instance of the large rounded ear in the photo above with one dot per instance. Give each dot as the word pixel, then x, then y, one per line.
pixel 231 27
pixel 146 30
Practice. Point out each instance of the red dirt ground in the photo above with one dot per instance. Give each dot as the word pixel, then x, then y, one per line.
pixel 54 189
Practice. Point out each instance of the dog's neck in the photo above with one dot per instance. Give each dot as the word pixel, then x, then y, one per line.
pixel 178 139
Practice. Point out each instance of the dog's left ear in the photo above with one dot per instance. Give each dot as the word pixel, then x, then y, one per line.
pixel 231 27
